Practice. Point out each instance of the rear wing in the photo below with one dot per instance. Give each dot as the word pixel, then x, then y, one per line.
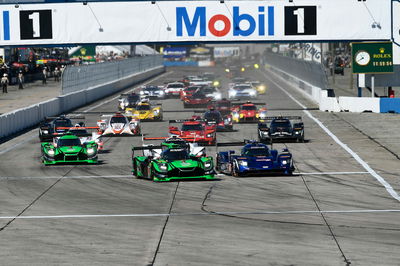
pixel 50 118
pixel 241 103
pixel 185 120
pixel 270 118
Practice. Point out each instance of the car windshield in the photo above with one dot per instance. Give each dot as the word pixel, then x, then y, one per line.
pixel 192 89
pixel 249 107
pixel 63 123
pixel 175 154
pixel 151 89
pixel 175 85
pixel 209 90
pixel 243 87
pixel 78 132
pixel 256 151
pixel 68 142
pixel 213 116
pixel 281 124
pixel 134 98
pixel 194 127
pixel 238 80
pixel 143 107
pixel 198 95
pixel 118 119
pixel 255 83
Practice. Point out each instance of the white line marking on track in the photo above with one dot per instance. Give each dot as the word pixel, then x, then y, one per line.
pixel 83 216
pixel 332 173
pixel 364 164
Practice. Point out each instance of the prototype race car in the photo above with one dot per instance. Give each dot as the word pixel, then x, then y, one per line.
pixel 194 148
pixel 128 100
pixel 245 90
pixel 197 99
pixel 248 112
pixel 174 163
pixel 281 128
pixel 69 149
pixel 151 92
pixel 255 159
pixel 189 91
pixel 119 125
pixel 213 92
pixel 213 117
pixel 55 125
pixel 174 89
pixel 83 134
pixel 145 112
pixel 194 131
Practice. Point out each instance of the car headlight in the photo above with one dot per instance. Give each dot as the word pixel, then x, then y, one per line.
pixel 126 103
pixel 141 92
pixel 232 93
pixel 284 162
pixel 243 163
pixel 216 83
pixel 261 88
pixel 227 70
pixel 252 93
pixel 297 132
pixel 162 92
pixel 50 152
pixel 90 151
pixel 156 112
pixel 263 114
pixel 207 165
pixel 163 167
pixel 209 135
pixel 218 96
pixel 45 132
pixel 236 115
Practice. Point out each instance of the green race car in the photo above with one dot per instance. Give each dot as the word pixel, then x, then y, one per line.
pixel 69 149
pixel 173 163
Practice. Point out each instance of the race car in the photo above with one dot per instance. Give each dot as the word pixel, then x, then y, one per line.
pixel 194 131
pixel 260 87
pixel 199 81
pixel 224 106
pixel 152 92
pixel 128 100
pixel 244 90
pixel 248 112
pixel 213 92
pixel 173 89
pixel 145 112
pixel 212 78
pixel 236 81
pixel 189 91
pixel 54 125
pixel 83 134
pixel 69 149
pixel 197 99
pixel 119 125
pixel 213 117
pixel 174 163
pixel 281 128
pixel 255 159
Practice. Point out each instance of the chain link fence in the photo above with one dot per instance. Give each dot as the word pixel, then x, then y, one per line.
pixel 76 78
pixel 306 71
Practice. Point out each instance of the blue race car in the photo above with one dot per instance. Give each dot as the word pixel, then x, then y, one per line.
pixel 255 159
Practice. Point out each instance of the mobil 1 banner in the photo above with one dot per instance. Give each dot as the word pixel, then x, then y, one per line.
pixel 194 21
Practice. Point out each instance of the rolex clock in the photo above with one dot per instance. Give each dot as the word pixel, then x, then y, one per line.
pixel 362 58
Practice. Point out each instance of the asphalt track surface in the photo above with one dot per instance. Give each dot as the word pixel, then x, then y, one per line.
pixel 333 211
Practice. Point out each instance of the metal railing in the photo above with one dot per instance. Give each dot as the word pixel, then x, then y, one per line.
pixel 306 71
pixel 76 78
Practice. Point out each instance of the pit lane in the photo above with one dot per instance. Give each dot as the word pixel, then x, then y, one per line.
pixel 330 212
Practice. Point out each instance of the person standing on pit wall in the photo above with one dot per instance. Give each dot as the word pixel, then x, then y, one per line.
pixel 44 77
pixel 4 83
pixel 20 80
pixel 57 74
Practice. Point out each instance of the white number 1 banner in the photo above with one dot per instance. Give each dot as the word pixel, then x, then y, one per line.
pixel 194 21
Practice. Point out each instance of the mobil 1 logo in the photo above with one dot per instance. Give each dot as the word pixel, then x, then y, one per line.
pixel 35 24
pixel 300 20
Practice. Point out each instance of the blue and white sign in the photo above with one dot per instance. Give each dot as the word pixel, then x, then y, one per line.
pixel 194 21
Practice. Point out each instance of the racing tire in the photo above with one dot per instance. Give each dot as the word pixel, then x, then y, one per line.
pixel 134 168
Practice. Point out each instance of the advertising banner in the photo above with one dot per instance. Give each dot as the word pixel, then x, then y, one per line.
pixel 194 21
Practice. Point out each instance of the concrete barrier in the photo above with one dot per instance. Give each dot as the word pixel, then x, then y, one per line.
pixel 389 105
pixel 18 120
pixel 359 105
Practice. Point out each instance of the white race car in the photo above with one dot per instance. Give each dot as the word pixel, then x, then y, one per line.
pixel 245 90
pixel 118 125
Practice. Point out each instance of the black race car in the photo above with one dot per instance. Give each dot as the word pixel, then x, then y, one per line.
pixel 55 125
pixel 281 128
pixel 213 117
pixel 128 100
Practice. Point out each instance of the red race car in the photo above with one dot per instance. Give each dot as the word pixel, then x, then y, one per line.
pixel 194 131
pixel 188 91
pixel 248 112
pixel 197 99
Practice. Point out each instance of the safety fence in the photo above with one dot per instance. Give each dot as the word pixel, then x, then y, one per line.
pixel 76 78
pixel 18 120
pixel 318 91
pixel 307 71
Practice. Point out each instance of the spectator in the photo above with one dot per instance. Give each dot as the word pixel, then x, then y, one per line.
pixel 44 78
pixel 20 80
pixel 57 74
pixel 4 83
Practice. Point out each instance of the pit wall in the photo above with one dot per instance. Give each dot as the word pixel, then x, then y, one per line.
pixel 21 119
pixel 338 104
